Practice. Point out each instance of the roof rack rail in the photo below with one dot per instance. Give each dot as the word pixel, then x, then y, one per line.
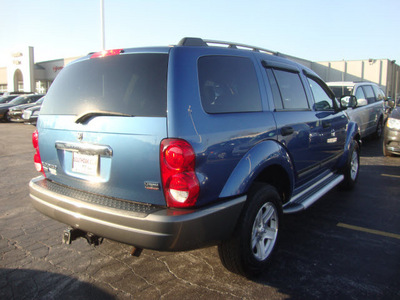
pixel 199 42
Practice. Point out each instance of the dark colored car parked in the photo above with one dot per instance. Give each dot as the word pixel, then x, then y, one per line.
pixel 391 136
pixel 176 148
pixel 30 115
pixel 15 113
pixel 25 99
pixel 6 99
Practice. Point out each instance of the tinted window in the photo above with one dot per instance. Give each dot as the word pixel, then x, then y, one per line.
pixel 228 84
pixel 369 93
pixel 340 91
pixel 275 90
pixel 20 100
pixel 134 84
pixel 291 90
pixel 321 98
pixel 380 95
pixel 359 93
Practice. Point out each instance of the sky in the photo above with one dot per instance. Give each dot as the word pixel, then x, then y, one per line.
pixel 316 30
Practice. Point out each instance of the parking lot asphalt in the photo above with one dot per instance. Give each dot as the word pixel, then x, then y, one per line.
pixel 346 246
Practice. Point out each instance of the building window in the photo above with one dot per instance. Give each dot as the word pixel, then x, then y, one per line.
pixel 42 86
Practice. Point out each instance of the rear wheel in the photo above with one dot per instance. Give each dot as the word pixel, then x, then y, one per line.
pixel 379 129
pixel 351 170
pixel 249 250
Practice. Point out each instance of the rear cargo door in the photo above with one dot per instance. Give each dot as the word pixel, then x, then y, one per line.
pixel 101 126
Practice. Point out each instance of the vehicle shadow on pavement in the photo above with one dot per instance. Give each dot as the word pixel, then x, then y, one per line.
pixel 319 258
pixel 35 284
pixel 372 147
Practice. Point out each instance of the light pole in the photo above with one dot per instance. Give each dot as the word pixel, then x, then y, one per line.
pixel 103 38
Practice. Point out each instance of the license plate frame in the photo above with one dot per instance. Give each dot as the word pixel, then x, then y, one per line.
pixel 86 164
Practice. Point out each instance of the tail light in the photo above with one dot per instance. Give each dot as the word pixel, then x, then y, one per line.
pixel 180 184
pixel 36 158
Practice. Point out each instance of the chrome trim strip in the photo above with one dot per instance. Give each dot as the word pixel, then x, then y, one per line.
pixel 322 192
pixel 310 188
pixel 288 209
pixel 85 148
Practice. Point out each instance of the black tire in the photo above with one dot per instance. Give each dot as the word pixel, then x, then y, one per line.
pixel 249 250
pixel 352 168
pixel 6 117
pixel 379 129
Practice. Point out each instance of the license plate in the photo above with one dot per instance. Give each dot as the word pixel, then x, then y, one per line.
pixel 85 164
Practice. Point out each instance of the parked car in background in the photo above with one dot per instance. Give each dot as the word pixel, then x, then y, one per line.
pixel 15 113
pixel 391 136
pixel 179 147
pixel 25 99
pixel 365 105
pixel 7 98
pixel 30 115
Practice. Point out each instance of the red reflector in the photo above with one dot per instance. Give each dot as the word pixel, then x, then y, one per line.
pixel 36 158
pixel 107 53
pixel 35 139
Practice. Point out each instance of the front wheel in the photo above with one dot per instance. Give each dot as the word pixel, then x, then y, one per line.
pixel 6 117
pixel 249 250
pixel 379 129
pixel 352 168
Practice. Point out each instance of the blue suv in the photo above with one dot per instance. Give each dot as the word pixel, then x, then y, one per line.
pixel 180 147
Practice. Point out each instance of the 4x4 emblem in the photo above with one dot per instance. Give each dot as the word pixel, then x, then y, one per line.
pixel 80 136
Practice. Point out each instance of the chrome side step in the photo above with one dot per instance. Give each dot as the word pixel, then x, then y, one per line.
pixel 310 195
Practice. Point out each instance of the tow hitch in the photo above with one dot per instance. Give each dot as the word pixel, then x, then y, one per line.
pixel 71 234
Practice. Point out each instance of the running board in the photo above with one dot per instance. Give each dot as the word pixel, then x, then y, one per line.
pixel 310 195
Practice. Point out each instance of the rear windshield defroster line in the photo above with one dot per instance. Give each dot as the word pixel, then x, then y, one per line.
pixel 130 84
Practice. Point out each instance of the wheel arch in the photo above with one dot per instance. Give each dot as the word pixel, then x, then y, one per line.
pixel 267 162
pixel 353 134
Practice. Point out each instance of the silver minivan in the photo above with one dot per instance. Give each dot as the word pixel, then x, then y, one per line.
pixel 366 109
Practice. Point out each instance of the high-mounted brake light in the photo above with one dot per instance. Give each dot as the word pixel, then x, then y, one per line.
pixel 180 184
pixel 107 53
pixel 36 158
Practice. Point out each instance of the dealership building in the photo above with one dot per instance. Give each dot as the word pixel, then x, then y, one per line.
pixel 24 75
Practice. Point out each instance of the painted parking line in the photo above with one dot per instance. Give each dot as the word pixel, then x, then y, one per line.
pixel 389 175
pixel 373 231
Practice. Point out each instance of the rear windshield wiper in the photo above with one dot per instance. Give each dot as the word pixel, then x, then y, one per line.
pixel 91 114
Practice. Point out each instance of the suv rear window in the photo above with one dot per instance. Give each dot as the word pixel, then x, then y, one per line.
pixel 134 84
pixel 228 84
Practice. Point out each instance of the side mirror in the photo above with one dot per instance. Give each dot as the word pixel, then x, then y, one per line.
pixel 348 101
pixel 361 102
pixel 391 103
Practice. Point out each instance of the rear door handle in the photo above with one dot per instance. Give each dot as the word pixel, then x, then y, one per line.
pixel 287 130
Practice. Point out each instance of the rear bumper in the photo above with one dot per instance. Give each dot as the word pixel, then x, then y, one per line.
pixel 143 226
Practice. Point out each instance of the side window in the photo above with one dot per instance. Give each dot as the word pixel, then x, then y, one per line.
pixel 378 93
pixel 291 90
pixel 322 100
pixel 369 93
pixel 359 93
pixel 228 84
pixel 275 90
